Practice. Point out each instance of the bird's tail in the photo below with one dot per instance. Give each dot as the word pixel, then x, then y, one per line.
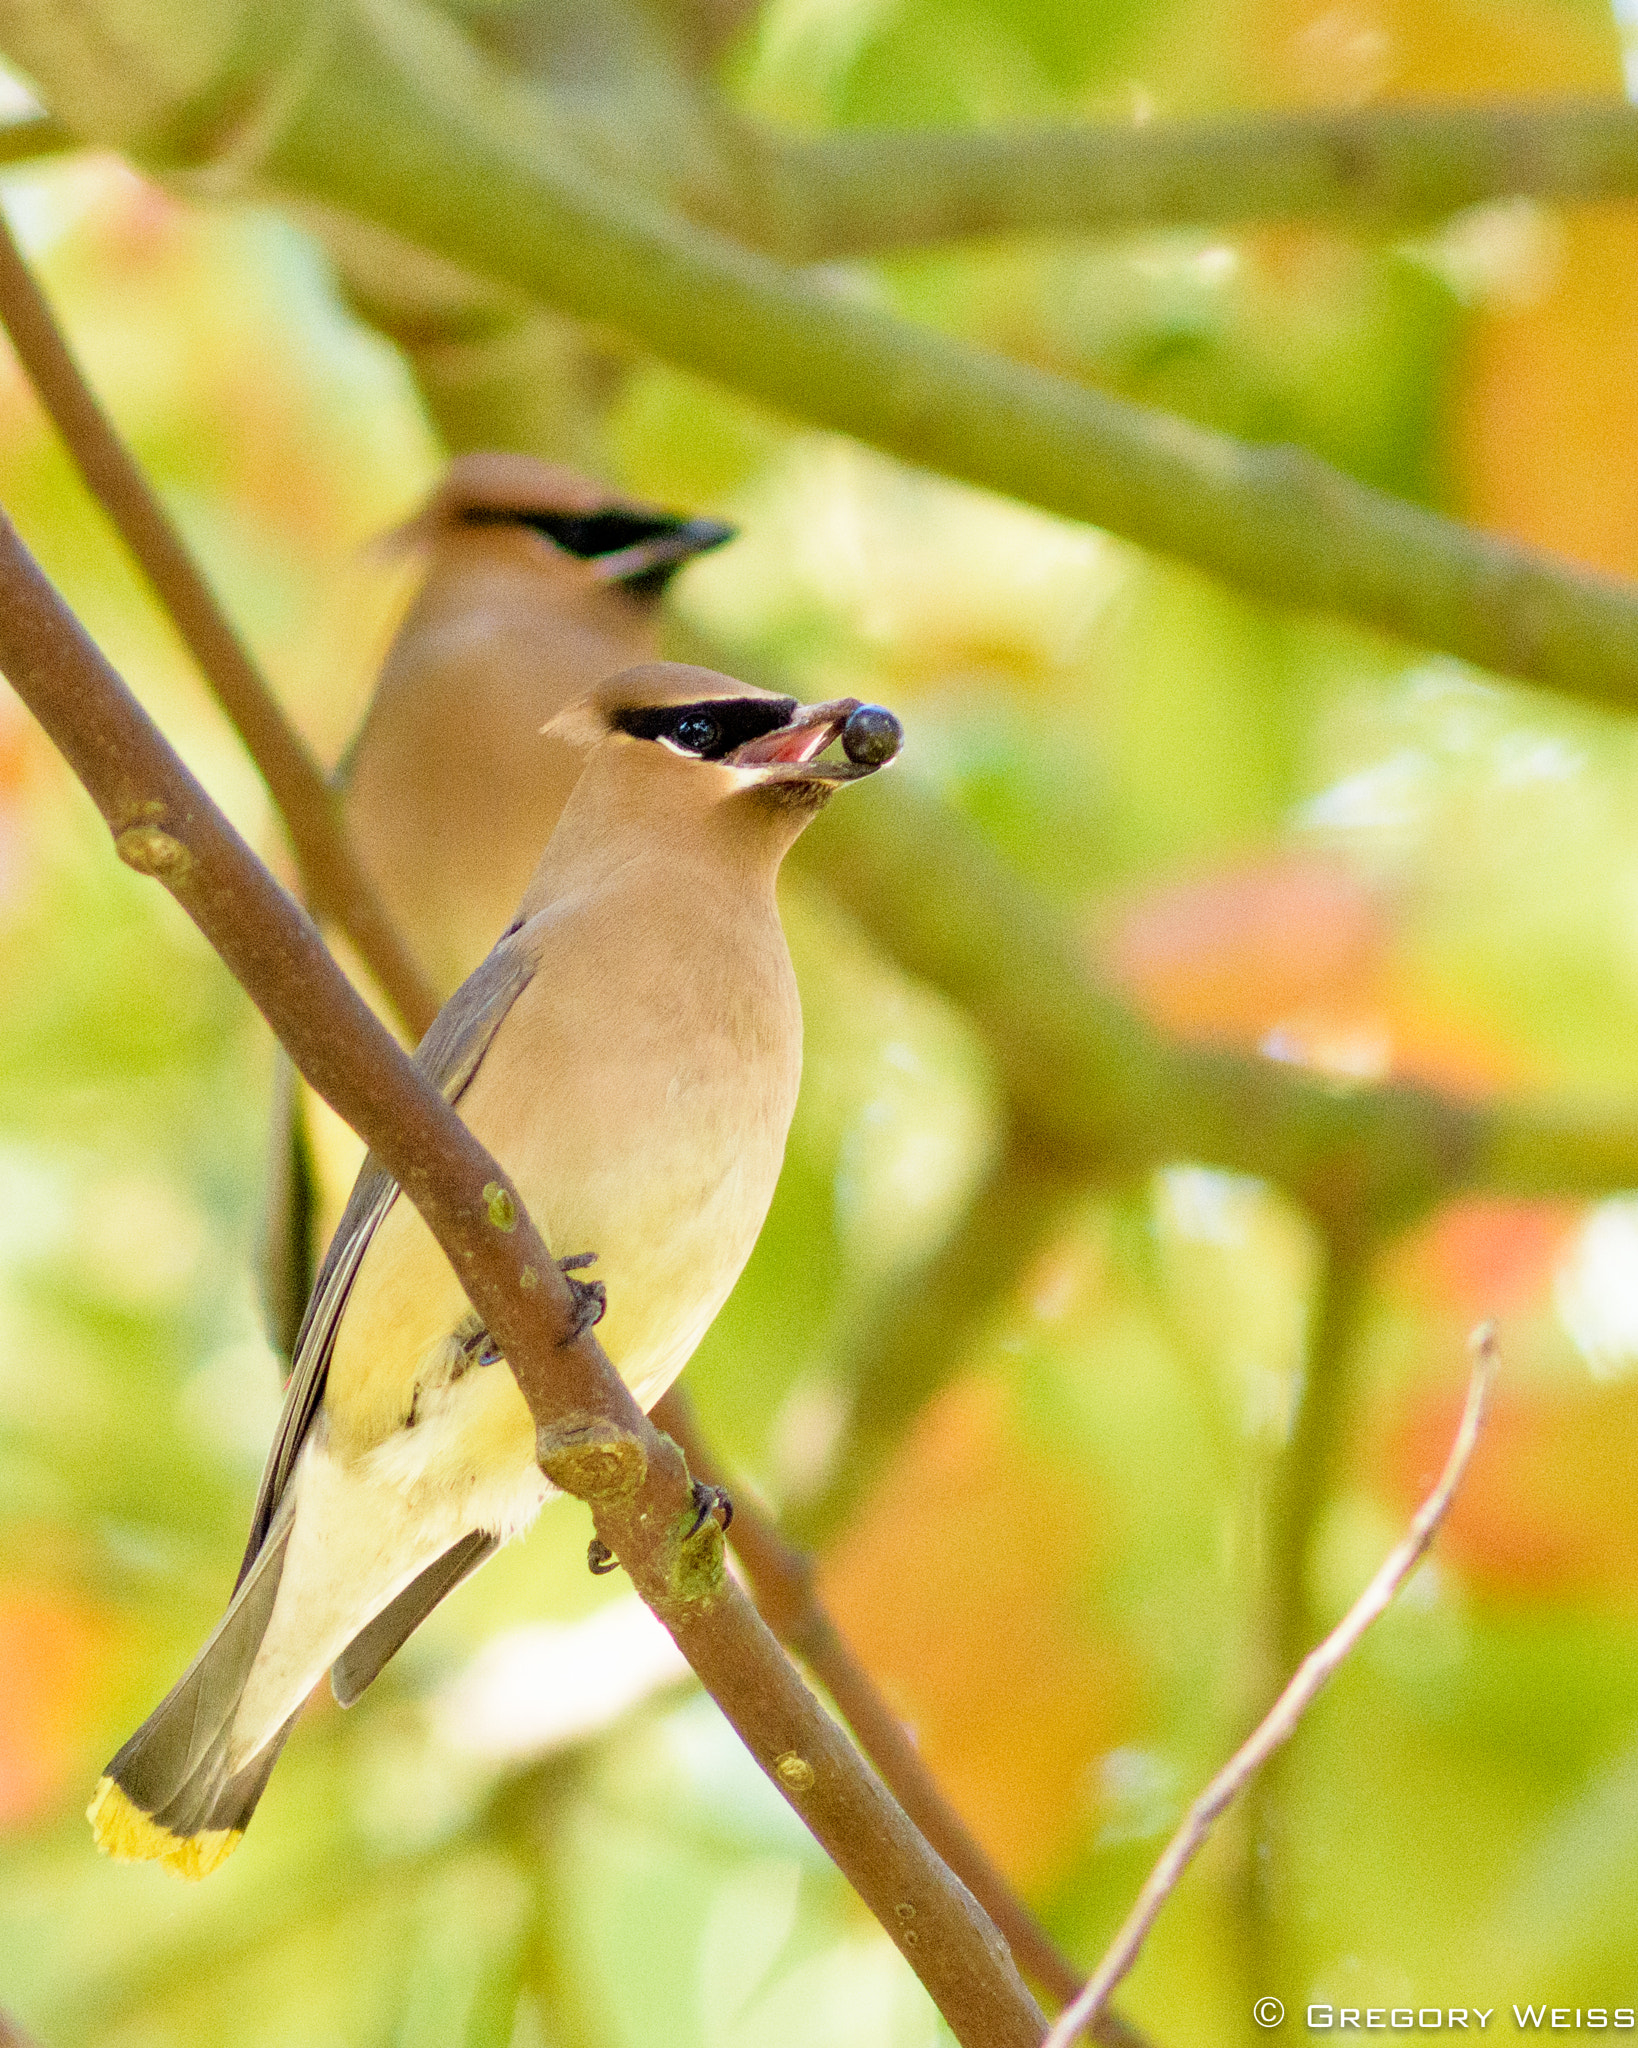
pixel 169 1796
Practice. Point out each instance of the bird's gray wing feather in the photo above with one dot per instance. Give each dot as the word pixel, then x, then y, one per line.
pixel 450 1055
pixel 175 1765
pixel 392 1628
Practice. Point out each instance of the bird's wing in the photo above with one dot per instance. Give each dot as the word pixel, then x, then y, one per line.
pixel 387 1633
pixel 450 1055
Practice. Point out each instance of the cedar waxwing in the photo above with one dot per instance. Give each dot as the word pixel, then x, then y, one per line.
pixel 629 1051
pixel 538 585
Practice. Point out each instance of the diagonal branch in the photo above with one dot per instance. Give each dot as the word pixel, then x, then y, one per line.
pixel 920 1336
pixel 1091 1081
pixel 782 1579
pixel 1281 1721
pixel 438 149
pixel 863 192
pixel 816 1638
pixel 390 115
pixel 594 1441
pixel 334 881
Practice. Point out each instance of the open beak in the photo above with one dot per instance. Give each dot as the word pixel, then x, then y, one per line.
pixel 662 550
pixel 790 752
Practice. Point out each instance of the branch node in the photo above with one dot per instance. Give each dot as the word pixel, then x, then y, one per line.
pixel 693 1558
pixel 503 1211
pixel 592 1458
pixel 152 851
pixel 796 1775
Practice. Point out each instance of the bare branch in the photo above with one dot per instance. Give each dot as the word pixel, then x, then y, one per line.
pixel 335 883
pixel 855 193
pixel 1280 1722
pixel 782 1579
pixel 594 1441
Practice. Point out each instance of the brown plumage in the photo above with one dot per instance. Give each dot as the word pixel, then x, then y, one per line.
pixel 539 584
pixel 630 1051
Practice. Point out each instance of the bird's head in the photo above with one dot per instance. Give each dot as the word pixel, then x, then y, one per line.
pixel 687 744
pixel 550 514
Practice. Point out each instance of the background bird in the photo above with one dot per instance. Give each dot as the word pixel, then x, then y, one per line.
pixel 538 585
pixel 630 1051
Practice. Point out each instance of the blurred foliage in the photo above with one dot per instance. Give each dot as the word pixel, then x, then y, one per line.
pixel 1272 831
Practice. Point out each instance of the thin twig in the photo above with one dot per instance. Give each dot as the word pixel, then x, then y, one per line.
pixel 594 1441
pixel 334 882
pixel 1281 1720
pixel 782 1579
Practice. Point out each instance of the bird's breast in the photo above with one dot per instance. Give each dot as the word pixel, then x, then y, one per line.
pixel 640 1103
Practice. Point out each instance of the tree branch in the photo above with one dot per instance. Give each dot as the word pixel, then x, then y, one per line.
pixel 782 1579
pixel 594 1440
pixel 1091 1082
pixel 1300 1487
pixel 434 153
pixel 854 194
pixel 393 116
pixel 1280 1722
pixel 915 1341
pixel 390 114
pixel 334 881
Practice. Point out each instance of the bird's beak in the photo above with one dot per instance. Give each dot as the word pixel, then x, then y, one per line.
pixel 662 550
pixel 789 753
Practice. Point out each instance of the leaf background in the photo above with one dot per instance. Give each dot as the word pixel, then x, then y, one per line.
pixel 1270 830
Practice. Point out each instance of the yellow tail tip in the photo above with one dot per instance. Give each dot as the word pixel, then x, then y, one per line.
pixel 129 1835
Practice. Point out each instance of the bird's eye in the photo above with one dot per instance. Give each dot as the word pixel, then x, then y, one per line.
pixel 697 733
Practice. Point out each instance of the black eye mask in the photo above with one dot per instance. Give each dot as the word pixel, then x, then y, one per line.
pixel 710 730
pixel 589 536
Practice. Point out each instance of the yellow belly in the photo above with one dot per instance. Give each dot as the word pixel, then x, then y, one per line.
pixel 651 1142
pixel 667 1269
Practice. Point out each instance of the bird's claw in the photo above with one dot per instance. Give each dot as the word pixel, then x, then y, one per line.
pixel 600 1560
pixel 591 1297
pixel 711 1503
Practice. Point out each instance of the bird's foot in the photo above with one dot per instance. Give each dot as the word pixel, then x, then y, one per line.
pixel 477 1346
pixel 711 1503
pixel 591 1297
